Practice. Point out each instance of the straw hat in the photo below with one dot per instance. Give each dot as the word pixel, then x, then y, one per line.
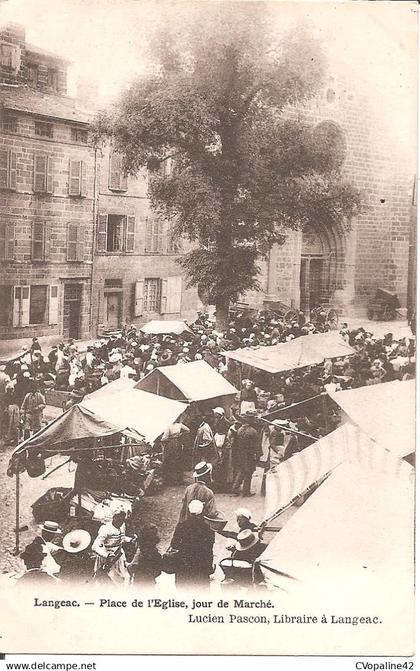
pixel 52 527
pixel 76 541
pixel 246 539
pixel 202 468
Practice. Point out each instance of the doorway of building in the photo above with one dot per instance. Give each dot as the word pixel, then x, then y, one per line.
pixel 71 311
pixel 113 309
pixel 310 283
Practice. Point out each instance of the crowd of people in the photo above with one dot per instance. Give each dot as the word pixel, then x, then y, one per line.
pixel 121 557
pixel 133 354
pixel 222 446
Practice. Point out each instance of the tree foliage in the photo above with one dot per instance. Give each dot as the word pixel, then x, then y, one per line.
pixel 220 98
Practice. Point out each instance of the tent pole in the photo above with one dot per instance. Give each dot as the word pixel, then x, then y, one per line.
pixel 325 412
pixel 17 523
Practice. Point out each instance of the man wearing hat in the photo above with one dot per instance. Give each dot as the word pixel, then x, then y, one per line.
pixel 200 490
pixel 33 557
pixel 194 541
pixel 246 455
pixel 48 531
pixel 75 559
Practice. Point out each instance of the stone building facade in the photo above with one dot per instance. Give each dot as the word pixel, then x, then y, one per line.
pixel 80 250
pixel 136 277
pixel 46 197
pixel 346 267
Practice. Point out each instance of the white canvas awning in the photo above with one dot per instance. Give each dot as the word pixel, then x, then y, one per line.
pixel 291 478
pixel 349 547
pixel 125 406
pixel 194 381
pixel 162 327
pixel 304 351
pixel 385 412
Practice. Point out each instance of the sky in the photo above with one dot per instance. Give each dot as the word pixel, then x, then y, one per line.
pixel 376 42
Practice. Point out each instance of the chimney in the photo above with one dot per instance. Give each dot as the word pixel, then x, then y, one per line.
pixel 14 33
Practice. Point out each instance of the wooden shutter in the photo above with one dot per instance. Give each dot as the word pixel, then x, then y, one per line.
pixel 7 241
pixel 114 171
pixel 174 294
pixel 129 234
pixel 4 168
pixel 53 305
pixel 80 243
pixel 149 236
pixel 25 303
pixel 139 298
pixel 12 170
pixel 75 178
pixel 40 173
pixel 101 242
pixel 117 180
pixel 160 237
pixel 2 241
pixel 49 175
pixel 8 162
pixel 164 296
pixel 83 188
pixel 17 297
pixel 72 242
pixel 38 241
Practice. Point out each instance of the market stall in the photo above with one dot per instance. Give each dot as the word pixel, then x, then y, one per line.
pixel 308 350
pixel 110 438
pixel 193 382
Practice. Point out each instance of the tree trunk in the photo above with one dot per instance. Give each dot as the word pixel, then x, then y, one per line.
pixel 222 314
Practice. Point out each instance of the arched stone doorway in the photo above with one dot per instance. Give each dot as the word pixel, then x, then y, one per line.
pixel 322 266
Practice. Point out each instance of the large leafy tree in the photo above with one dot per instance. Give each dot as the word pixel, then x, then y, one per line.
pixel 221 99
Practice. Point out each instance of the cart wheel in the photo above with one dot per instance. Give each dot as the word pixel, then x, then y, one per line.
pixel 332 318
pixel 291 315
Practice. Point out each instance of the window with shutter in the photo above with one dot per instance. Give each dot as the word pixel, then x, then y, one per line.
pixel 152 295
pixel 7 241
pixel 25 306
pixel 38 241
pixel 17 306
pixel 117 180
pixel 8 169
pixel 6 304
pixel 72 234
pixel 138 298
pixel 154 236
pixel 37 303
pixel 101 237
pixel 75 178
pixel 4 168
pixel 40 173
pixel 53 305
pixel 130 233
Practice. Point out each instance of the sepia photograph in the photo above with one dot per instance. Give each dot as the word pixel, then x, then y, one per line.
pixel 208 326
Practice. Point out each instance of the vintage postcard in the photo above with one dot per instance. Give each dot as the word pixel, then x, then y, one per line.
pixel 207 326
